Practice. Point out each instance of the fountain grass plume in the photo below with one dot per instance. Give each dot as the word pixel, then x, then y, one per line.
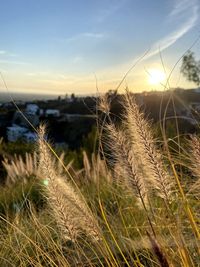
pixel 148 155
pixel 19 169
pixel 124 162
pixel 71 212
pixel 195 163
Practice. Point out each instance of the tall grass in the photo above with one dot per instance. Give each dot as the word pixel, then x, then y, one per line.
pixel 130 208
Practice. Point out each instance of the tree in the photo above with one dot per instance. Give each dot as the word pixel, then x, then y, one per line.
pixel 191 68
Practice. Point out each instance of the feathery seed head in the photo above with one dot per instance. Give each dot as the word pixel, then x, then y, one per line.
pixel 125 161
pixel 147 155
pixel 104 104
pixel 70 210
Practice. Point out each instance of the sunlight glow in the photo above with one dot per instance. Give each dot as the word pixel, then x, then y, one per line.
pixel 156 76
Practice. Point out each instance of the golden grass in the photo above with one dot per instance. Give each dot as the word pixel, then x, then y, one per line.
pixel 132 211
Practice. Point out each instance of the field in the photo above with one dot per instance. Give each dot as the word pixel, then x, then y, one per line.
pixel 135 202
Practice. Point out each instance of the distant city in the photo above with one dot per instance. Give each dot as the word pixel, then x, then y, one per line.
pixel 5 97
pixel 74 116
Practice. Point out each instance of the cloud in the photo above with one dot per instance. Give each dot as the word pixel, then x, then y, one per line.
pixel 85 35
pixel 3 52
pixel 191 16
pixel 48 76
pixel 181 6
pixel 14 62
pixel 6 53
pixel 93 35
pixel 39 74
pixel 77 59
pixel 108 11
pixel 173 37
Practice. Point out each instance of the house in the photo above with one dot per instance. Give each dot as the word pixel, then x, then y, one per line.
pixel 25 119
pixel 52 113
pixel 32 109
pixel 15 132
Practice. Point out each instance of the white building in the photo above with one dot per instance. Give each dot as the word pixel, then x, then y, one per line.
pixel 52 113
pixel 15 132
pixel 32 109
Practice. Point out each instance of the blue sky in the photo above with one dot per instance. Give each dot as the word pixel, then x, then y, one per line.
pixel 62 46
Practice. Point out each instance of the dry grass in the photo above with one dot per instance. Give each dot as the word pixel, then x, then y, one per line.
pixel 70 210
pixel 19 169
pixel 133 211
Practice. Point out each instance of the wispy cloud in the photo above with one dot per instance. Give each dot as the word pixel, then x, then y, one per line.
pixel 110 10
pixel 77 59
pixel 2 52
pixel 173 37
pixel 48 76
pixel 93 35
pixel 6 53
pixel 85 35
pixel 182 6
pixel 14 62
pixel 189 20
pixel 38 74
pixel 191 11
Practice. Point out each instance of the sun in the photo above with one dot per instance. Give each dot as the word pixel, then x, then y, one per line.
pixel 156 76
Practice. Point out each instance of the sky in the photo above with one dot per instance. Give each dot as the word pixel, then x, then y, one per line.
pixel 85 46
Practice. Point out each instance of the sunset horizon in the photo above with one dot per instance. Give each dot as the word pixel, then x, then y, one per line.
pixel 65 47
